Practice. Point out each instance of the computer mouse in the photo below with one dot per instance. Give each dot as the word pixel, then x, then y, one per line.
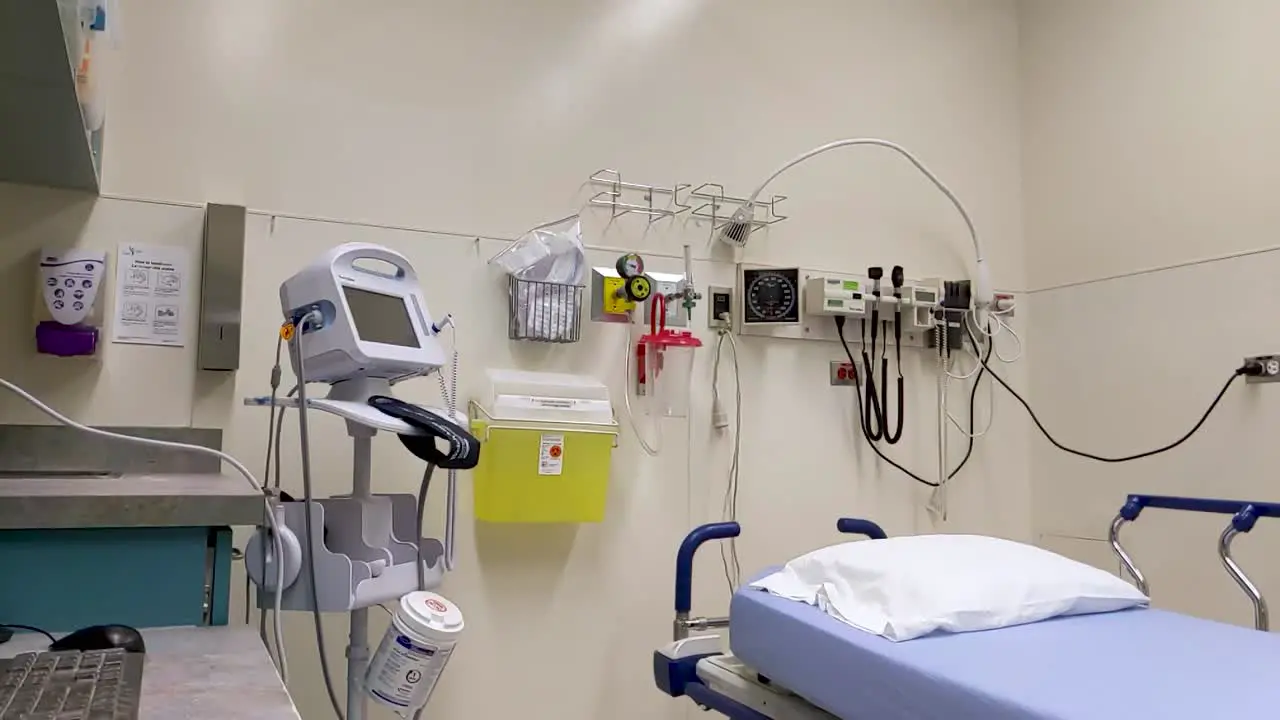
pixel 102 637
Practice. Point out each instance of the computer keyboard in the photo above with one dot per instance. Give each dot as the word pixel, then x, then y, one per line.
pixel 71 685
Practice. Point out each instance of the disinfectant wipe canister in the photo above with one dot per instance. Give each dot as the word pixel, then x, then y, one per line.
pixel 423 632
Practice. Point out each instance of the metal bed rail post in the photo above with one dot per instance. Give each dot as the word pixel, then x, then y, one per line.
pixel 1244 516
pixel 1243 522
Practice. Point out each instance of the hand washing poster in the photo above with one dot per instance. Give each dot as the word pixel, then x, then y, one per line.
pixel 152 297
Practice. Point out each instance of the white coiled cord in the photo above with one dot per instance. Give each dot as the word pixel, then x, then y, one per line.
pixel 449 393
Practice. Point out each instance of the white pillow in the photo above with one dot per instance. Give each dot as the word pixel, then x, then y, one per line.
pixel 906 587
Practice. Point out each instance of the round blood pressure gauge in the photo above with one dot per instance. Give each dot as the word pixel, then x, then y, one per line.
pixel 771 296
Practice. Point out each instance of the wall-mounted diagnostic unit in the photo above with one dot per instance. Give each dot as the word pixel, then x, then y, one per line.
pixel 799 304
pixel 923 299
pixel 831 295
pixel 850 296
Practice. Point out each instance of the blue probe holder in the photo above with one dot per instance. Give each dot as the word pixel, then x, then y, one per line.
pixel 1244 516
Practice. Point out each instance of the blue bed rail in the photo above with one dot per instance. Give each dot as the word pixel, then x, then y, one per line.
pixel 684 558
pixel 857 526
pixel 704 534
pixel 675 668
pixel 1244 515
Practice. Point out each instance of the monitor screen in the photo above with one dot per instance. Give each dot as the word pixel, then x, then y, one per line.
pixel 380 318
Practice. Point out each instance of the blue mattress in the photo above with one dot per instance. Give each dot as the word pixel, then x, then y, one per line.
pixel 1121 666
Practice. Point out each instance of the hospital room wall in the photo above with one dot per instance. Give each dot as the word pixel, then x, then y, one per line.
pixel 1149 133
pixel 400 123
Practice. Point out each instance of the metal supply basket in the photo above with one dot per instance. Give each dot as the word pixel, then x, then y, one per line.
pixel 543 311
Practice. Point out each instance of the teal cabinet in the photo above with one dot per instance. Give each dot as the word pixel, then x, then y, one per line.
pixel 64 579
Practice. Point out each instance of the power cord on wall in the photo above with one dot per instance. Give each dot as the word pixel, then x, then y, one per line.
pixel 1247 369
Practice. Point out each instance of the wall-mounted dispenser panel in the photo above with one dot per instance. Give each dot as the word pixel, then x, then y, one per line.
pixel 68 316
pixel 221 282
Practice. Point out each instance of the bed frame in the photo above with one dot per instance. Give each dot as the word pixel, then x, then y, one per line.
pixel 698 667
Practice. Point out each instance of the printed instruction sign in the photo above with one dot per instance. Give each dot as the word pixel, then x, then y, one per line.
pixel 151 294
pixel 551 454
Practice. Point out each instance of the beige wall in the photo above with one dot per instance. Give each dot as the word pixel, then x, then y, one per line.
pixel 1148 133
pixel 483 118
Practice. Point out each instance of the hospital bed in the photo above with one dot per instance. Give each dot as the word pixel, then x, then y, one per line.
pixel 790 660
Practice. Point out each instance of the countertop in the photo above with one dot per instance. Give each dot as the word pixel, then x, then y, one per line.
pixel 210 673
pixel 130 500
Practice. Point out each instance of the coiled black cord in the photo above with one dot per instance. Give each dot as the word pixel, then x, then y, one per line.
pixel 871 417
pixel 896 435
pixel 865 432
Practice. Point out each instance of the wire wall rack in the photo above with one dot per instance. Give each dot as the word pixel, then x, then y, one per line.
pixel 544 311
pixel 718 207
pixel 623 197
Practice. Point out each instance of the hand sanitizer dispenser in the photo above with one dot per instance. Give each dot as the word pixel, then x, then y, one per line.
pixel 67 321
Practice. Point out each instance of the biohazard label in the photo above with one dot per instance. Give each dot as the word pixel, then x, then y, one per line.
pixel 551 455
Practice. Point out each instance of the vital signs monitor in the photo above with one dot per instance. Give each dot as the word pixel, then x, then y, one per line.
pixel 374 322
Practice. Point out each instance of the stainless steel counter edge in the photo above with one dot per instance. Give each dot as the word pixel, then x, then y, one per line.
pixel 210 673
pixel 163 500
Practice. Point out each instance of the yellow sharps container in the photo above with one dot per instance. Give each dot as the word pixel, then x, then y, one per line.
pixel 547 440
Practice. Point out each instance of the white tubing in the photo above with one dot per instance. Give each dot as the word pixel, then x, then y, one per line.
pixel 199 450
pixel 982 286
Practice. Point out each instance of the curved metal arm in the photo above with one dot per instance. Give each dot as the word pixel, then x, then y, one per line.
pixel 1242 522
pixel 1125 560
pixel 955 201
pixel 858 526
pixel 739 227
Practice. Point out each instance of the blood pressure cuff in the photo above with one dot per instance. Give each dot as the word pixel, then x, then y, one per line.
pixel 463 451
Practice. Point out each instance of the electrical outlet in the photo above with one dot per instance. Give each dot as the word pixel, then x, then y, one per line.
pixel 1270 368
pixel 1005 304
pixel 721 304
pixel 843 373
